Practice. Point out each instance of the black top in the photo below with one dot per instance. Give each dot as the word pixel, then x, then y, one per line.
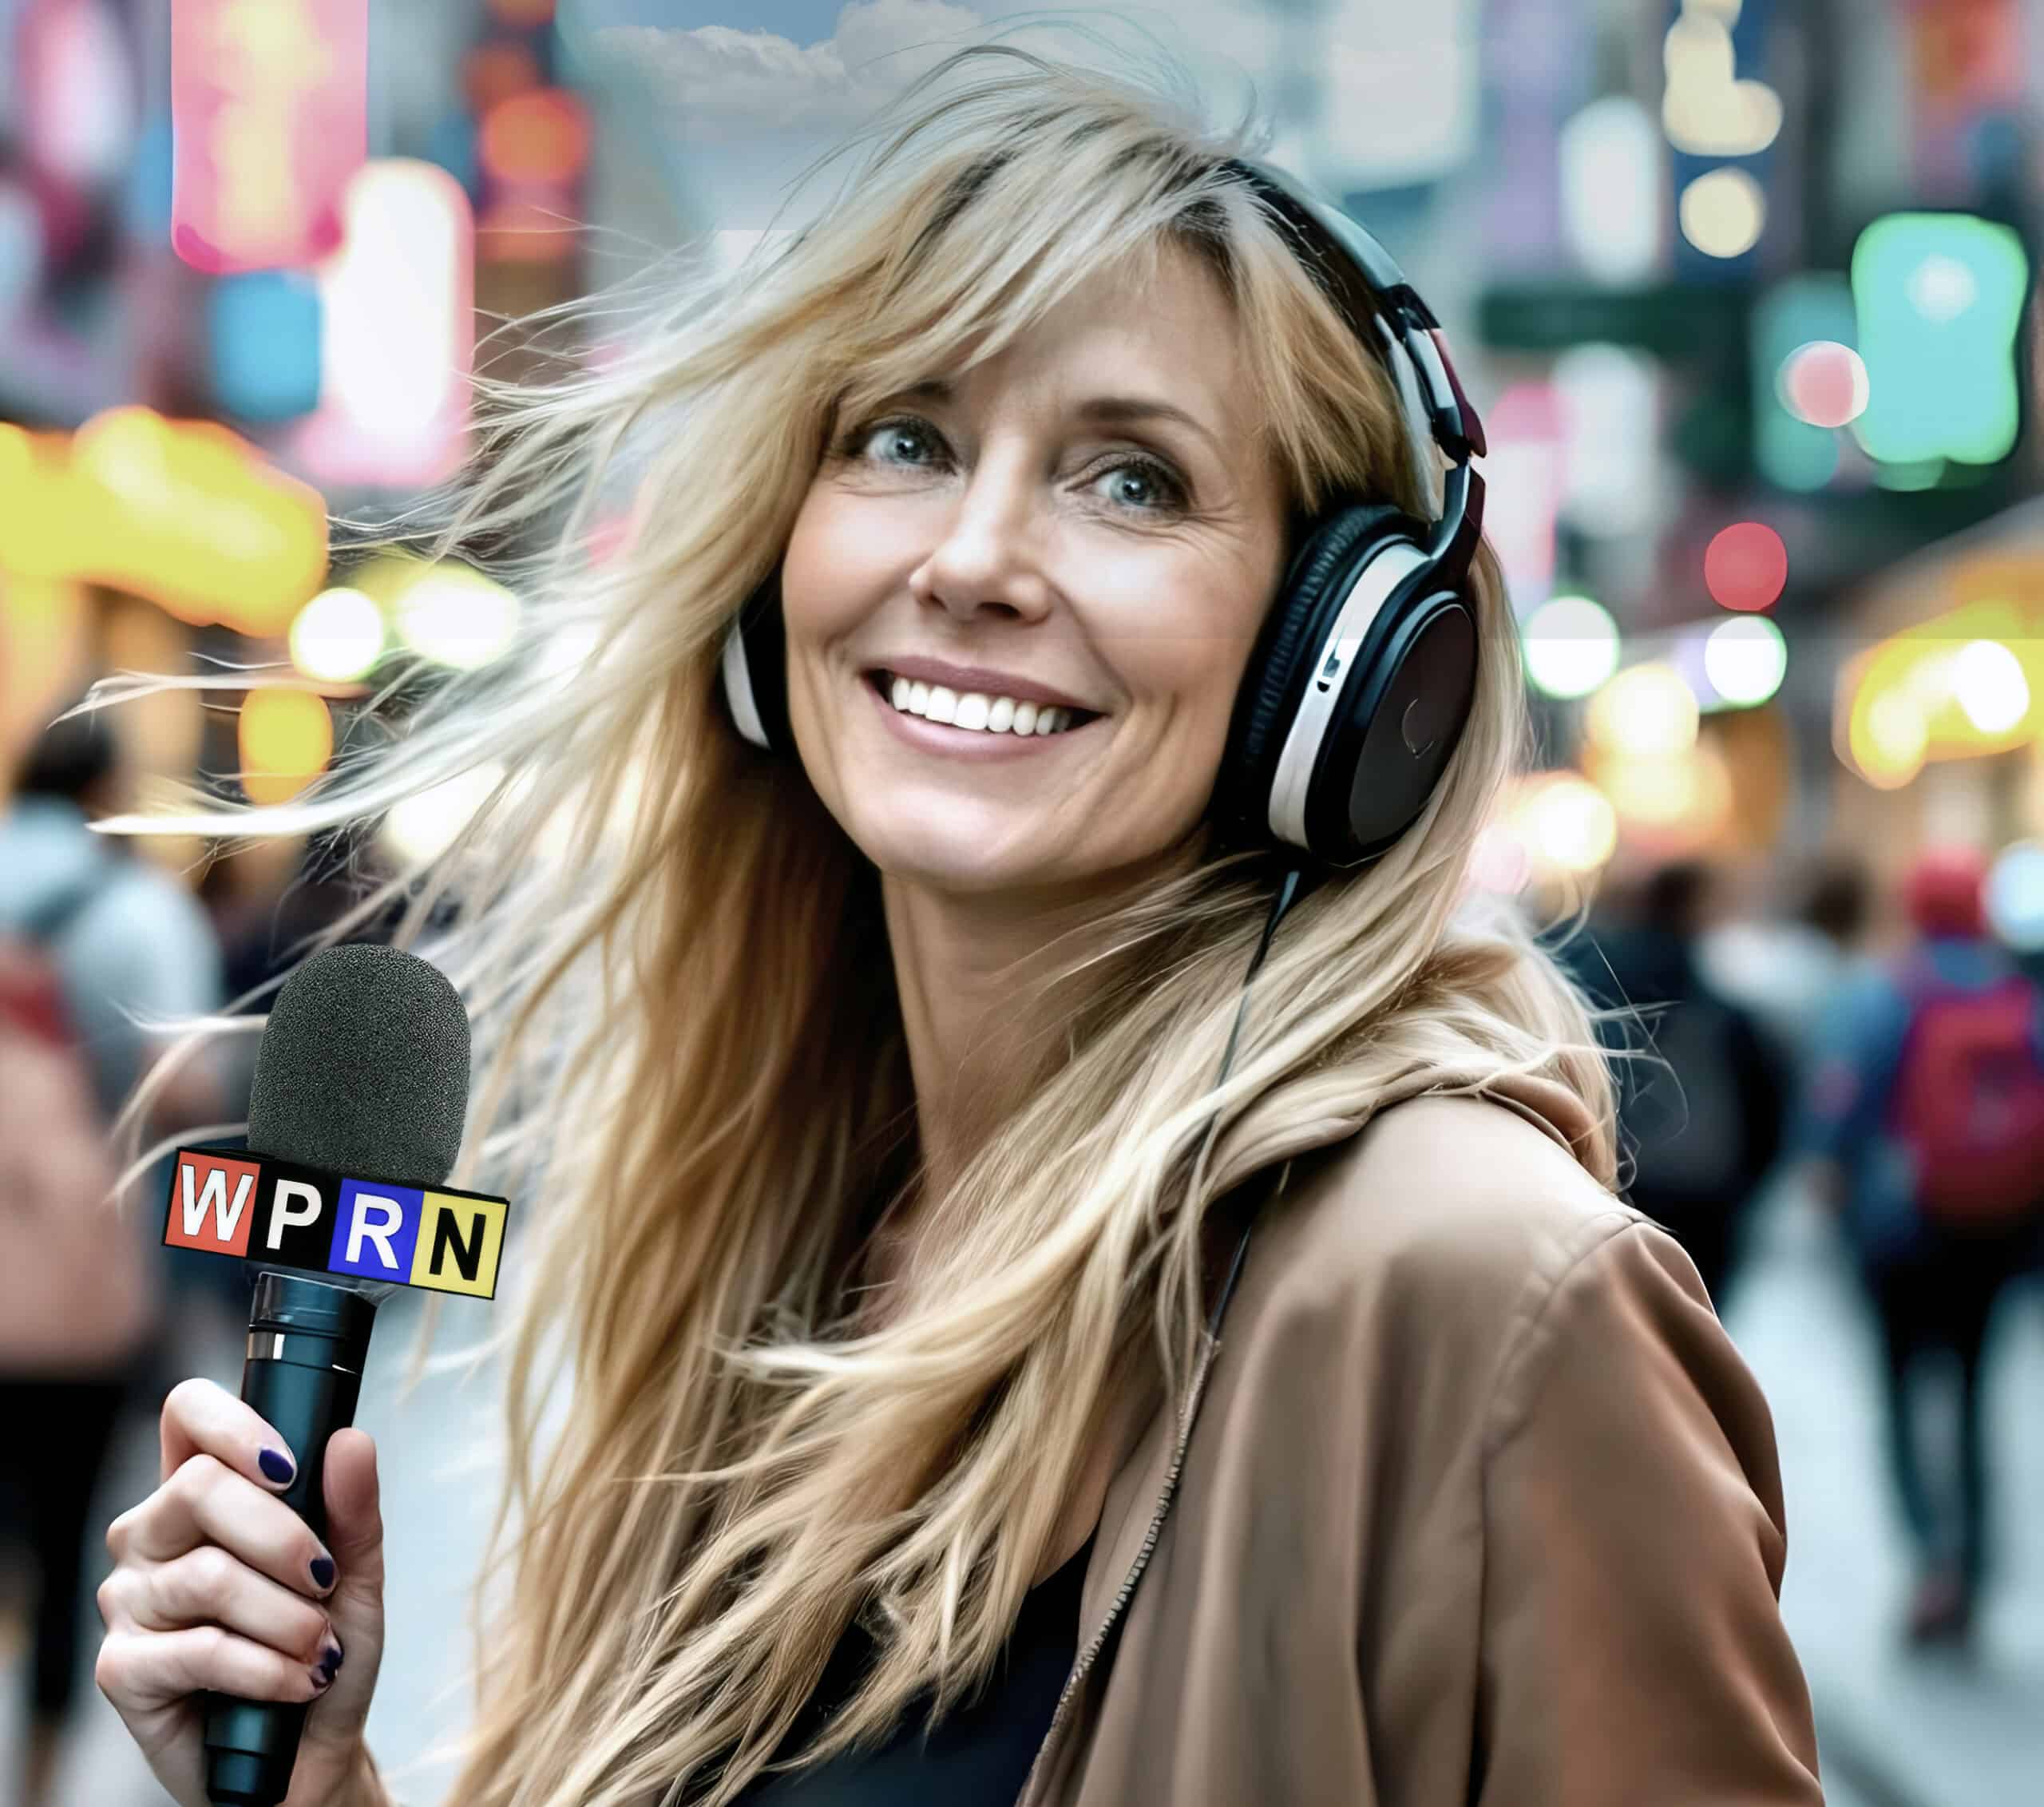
pixel 980 1753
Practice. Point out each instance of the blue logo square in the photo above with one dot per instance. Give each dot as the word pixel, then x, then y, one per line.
pixel 375 1230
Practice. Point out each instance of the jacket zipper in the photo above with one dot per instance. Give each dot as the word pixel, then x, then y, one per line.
pixel 1195 1394
pixel 1163 1506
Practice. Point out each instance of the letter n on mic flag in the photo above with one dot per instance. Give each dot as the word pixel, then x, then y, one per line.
pixel 228 1201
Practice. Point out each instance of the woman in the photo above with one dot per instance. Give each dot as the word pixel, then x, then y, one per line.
pixel 865 1095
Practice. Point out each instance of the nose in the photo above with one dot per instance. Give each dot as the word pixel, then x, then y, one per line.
pixel 989 554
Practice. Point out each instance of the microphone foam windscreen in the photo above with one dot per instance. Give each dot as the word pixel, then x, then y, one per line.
pixel 363 1067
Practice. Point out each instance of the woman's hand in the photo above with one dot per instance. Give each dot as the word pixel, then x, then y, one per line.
pixel 218 1584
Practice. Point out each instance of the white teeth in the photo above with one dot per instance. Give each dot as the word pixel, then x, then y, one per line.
pixel 974 710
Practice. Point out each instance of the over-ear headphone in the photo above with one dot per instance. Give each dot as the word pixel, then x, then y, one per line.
pixel 1359 686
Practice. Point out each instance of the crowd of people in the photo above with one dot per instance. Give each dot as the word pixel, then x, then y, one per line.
pixel 1901 1078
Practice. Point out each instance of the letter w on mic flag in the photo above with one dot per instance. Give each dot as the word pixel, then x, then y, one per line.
pixel 228 1201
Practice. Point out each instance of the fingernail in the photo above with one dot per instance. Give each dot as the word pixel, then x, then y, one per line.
pixel 322 1570
pixel 275 1465
pixel 330 1661
pixel 322 1678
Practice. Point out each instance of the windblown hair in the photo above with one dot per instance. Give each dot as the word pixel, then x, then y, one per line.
pixel 690 1067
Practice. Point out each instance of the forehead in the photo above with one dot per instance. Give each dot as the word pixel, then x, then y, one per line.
pixel 1175 335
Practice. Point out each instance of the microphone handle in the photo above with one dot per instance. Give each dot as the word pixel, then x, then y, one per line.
pixel 307 1340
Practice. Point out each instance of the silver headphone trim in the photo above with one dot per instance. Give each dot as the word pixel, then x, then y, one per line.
pixel 1315 713
pixel 737 689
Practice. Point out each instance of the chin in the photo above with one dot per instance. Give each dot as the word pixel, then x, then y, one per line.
pixel 957 859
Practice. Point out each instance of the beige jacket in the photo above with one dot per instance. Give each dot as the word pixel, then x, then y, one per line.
pixel 1476 1503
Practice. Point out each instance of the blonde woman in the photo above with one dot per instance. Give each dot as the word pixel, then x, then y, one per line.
pixel 860 1088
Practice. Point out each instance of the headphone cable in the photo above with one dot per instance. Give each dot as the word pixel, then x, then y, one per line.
pixel 1287 894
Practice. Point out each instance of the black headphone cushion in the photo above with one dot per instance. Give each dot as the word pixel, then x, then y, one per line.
pixel 1307 599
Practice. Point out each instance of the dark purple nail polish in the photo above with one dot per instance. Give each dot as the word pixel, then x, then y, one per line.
pixel 330 1661
pixel 322 1570
pixel 275 1464
pixel 322 1679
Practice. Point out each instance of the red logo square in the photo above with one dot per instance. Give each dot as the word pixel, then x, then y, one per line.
pixel 212 1203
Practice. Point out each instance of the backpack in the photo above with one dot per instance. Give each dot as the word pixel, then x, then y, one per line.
pixel 49 1091
pixel 74 1290
pixel 1968 1102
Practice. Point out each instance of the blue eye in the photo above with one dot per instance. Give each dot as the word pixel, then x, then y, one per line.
pixel 899 428
pixel 1152 470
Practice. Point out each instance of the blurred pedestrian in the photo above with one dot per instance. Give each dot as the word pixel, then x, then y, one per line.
pixel 1924 1117
pixel 1702 1089
pixel 89 933
pixel 1785 963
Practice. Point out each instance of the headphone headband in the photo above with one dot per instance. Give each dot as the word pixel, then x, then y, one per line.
pixel 1383 308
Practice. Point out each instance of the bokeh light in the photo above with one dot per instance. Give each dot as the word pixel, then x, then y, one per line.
pixel 1723 212
pixel 2015 895
pixel 1939 298
pixel 1612 189
pixel 1889 738
pixel 541 135
pixel 1745 659
pixel 1824 383
pixel 1745 566
pixel 1571 646
pixel 1646 711
pixel 423 825
pixel 1686 795
pixel 286 738
pixel 337 635
pixel 1501 862
pixel 1987 680
pixel 455 616
pixel 1569 823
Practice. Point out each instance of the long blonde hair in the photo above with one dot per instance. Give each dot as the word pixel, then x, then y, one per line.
pixel 690 1071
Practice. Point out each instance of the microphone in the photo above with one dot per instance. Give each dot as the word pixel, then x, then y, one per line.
pixel 363 1068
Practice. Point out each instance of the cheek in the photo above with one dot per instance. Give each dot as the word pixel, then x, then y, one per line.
pixel 1191 665
pixel 838 561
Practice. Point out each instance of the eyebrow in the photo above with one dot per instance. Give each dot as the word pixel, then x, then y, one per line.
pixel 1101 409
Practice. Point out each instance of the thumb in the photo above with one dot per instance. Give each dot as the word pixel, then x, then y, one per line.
pixel 355 1534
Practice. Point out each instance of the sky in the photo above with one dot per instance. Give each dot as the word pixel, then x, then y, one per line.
pixel 742 94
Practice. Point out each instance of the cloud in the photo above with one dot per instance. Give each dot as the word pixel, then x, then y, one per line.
pixel 727 84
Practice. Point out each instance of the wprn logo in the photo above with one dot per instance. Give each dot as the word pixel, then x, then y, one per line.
pixel 228 1203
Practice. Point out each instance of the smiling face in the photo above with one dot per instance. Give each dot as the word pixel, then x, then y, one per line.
pixel 1004 519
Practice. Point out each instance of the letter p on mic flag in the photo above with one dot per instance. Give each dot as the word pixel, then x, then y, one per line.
pixel 229 1203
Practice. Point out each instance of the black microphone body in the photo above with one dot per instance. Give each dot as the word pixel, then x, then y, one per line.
pixel 307 1342
pixel 363 1068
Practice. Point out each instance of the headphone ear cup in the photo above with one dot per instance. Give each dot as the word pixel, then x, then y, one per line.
pixel 755 667
pixel 1388 748
pixel 1334 547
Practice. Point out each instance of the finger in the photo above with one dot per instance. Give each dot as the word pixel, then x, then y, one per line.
pixel 199 1414
pixel 206 1586
pixel 207 1503
pixel 354 1514
pixel 149 1668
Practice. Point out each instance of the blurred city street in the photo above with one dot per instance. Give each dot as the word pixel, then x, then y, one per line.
pixel 1898 1729
pixel 1738 304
